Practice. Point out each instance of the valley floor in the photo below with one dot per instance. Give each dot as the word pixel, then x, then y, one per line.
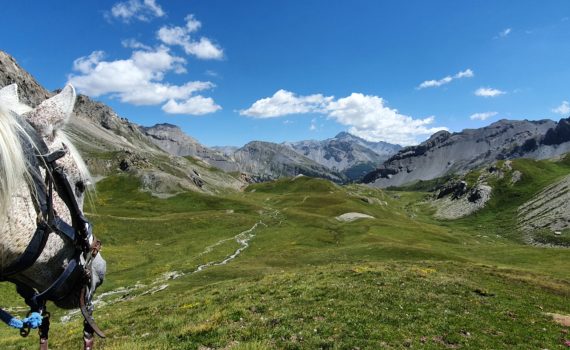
pixel 273 268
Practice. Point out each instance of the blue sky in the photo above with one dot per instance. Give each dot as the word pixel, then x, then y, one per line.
pixel 229 72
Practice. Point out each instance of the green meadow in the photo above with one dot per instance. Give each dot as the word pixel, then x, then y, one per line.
pixel 272 268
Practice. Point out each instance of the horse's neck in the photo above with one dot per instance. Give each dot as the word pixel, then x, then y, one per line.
pixel 16 231
pixel 17 227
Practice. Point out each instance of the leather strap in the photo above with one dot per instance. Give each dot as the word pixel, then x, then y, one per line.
pixel 30 255
pixel 40 298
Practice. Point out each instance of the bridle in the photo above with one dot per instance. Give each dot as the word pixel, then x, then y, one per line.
pixel 78 271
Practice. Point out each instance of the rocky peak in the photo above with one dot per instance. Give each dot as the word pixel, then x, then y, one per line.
pixel 31 93
pixel 343 134
pixel 166 126
pixel 347 153
pixel 166 131
pixel 559 134
pixel 173 140
pixel 439 137
pixel 382 148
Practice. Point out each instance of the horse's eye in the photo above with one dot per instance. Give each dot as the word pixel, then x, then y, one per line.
pixel 80 186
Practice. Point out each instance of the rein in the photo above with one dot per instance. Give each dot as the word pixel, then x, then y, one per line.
pixel 79 233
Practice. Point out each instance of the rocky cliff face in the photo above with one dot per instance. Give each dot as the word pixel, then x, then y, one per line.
pixel 173 140
pixel 446 153
pixel 271 161
pixel 111 144
pixel 346 153
pixel 549 209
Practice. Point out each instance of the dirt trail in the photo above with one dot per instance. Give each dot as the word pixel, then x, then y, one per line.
pixel 243 239
pixel 163 217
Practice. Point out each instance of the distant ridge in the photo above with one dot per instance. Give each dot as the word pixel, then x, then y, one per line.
pixel 343 158
pixel 446 153
pixel 271 161
pixel 173 140
pixel 346 153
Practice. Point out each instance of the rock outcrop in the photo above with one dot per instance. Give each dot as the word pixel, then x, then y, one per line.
pixel 559 134
pixel 457 198
pixel 457 201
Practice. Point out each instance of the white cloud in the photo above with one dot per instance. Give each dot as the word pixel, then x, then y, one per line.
pixel 468 73
pixel 563 109
pixel 196 105
pixel 435 83
pixel 173 35
pixel 139 80
pixel 284 102
pixel 489 92
pixel 202 48
pixel 134 44
pixel 85 64
pixel 211 73
pixel 127 11
pixel 483 116
pixel 366 115
pixel 505 33
pixel 156 93
pixel 192 24
pixel 369 118
pixel 313 126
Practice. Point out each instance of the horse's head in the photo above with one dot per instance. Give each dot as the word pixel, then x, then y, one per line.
pixel 49 120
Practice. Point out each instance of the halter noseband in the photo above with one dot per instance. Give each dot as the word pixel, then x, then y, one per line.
pixel 79 233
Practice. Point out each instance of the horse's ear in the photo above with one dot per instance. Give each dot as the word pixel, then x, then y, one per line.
pixel 9 99
pixel 9 94
pixel 53 113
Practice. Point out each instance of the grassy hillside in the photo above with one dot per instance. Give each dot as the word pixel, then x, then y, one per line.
pixel 272 267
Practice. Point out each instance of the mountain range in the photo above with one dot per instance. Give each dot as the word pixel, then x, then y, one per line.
pixel 342 158
pixel 167 159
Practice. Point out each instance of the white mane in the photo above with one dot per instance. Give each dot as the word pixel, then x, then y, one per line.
pixel 12 159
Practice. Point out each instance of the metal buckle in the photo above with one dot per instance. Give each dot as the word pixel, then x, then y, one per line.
pixel 25 330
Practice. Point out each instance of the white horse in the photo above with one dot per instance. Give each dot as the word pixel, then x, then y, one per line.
pixel 46 245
